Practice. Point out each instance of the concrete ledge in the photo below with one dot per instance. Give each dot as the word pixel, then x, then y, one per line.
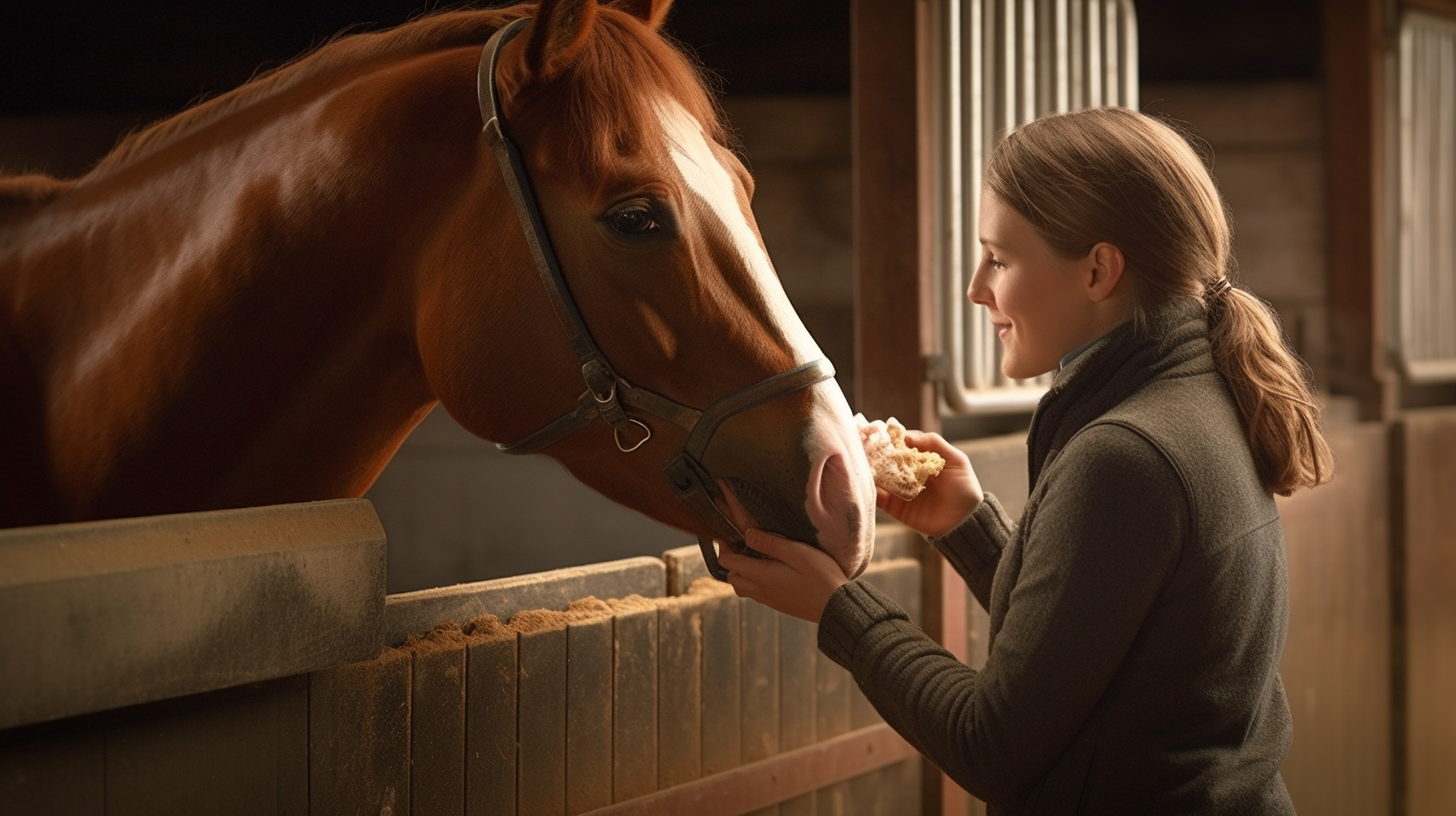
pixel 99 615
pixel 415 613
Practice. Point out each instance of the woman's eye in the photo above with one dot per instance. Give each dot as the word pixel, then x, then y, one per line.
pixel 633 219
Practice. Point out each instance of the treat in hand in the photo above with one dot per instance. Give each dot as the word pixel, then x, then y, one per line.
pixel 898 468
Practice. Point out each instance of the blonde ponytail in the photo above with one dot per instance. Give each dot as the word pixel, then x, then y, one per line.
pixel 1271 387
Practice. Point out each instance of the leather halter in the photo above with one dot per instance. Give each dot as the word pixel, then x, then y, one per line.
pixel 607 395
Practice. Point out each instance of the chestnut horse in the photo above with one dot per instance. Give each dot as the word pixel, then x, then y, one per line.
pixel 255 301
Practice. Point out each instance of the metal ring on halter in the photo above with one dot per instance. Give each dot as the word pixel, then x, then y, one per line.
pixel 617 435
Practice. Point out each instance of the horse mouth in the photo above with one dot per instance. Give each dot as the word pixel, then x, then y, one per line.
pixel 772 515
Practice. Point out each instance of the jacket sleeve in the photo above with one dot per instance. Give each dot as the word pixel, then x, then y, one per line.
pixel 1098 550
pixel 974 547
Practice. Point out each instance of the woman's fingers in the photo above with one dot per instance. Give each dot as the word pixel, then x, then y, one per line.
pixel 793 577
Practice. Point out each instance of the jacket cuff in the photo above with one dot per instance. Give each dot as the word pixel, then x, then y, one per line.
pixel 976 543
pixel 853 609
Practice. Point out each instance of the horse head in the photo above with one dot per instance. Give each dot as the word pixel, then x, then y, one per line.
pixel 672 375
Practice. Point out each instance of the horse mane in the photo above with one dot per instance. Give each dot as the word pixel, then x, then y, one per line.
pixel 344 52
pixel 32 188
pixel 606 80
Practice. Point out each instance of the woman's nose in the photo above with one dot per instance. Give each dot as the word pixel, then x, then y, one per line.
pixel 978 292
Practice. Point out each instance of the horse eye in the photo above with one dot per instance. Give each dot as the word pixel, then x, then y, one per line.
pixel 633 218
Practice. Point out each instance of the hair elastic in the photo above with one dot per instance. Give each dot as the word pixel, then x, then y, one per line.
pixel 1216 290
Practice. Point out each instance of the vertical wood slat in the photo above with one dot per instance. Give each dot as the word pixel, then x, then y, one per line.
pixel 1427 482
pixel 634 699
pixel 679 691
pixel 359 736
pixel 1335 666
pixel 798 680
pixel 589 708
pixel 220 752
pixel 437 722
pixel 722 684
pixel 760 679
pixel 541 712
pixel 490 712
pixel 57 768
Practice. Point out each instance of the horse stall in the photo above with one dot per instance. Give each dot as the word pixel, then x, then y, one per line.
pixel 248 661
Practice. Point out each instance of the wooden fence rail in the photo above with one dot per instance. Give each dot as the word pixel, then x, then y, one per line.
pixel 636 686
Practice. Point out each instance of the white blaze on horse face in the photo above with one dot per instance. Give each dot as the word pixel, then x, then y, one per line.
pixel 840 496
pixel 700 168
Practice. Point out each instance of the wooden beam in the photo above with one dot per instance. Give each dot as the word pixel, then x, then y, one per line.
pixel 892 307
pixel 1355 44
pixel 768 781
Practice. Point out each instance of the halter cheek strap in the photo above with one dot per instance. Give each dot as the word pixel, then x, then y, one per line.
pixel 607 395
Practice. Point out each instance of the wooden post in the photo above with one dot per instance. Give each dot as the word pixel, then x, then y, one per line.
pixel 892 306
pixel 894 317
pixel 1355 44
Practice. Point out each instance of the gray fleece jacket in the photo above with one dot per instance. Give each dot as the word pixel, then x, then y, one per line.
pixel 1138 609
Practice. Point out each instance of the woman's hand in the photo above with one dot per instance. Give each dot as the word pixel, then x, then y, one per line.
pixel 947 499
pixel 795 578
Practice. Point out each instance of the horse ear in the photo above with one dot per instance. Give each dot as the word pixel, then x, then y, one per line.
pixel 651 12
pixel 557 32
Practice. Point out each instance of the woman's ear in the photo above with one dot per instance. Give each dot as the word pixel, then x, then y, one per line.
pixel 1107 264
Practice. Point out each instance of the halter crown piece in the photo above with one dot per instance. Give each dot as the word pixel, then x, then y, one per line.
pixel 607 395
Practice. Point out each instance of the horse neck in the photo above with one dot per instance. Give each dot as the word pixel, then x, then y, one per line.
pixel 247 289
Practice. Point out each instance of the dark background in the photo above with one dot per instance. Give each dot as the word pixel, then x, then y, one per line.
pixel 83 55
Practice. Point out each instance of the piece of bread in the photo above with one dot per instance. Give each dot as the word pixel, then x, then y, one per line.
pixel 898 468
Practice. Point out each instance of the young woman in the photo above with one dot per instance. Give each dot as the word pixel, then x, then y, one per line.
pixel 1138 608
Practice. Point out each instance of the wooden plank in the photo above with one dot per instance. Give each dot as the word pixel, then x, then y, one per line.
pixel 55 768
pixel 541 709
pixel 889 791
pixel 759 706
pixel 679 691
pixel 684 566
pixel 127 611
pixel 798 679
pixel 359 737
pixel 760 680
pixel 216 753
pixel 722 679
pixel 588 706
pixel 437 722
pixel 790 775
pixel 1336 664
pixel 634 698
pixel 413 613
pixel 832 704
pixel 1428 653
pixel 490 718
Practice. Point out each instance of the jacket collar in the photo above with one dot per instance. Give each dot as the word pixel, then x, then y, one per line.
pixel 1172 342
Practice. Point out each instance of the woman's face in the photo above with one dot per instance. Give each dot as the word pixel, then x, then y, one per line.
pixel 1038 301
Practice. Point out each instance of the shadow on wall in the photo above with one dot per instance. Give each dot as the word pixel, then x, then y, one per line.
pixel 455 509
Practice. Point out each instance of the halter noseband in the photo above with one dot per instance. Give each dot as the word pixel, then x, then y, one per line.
pixel 607 395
